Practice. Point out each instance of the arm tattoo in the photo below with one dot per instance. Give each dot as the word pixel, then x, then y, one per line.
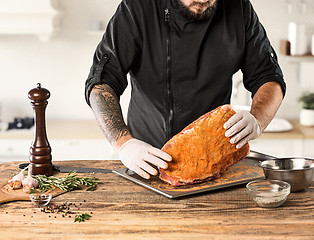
pixel 107 110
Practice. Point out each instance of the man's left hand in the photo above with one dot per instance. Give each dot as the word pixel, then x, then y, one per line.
pixel 241 128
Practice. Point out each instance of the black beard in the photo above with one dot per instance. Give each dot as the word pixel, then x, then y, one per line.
pixel 190 15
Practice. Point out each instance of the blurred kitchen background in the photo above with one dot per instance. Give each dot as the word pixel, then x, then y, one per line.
pixel 53 41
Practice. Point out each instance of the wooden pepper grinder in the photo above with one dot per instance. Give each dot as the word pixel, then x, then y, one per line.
pixel 40 150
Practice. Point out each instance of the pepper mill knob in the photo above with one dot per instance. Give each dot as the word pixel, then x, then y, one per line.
pixel 38 94
pixel 40 150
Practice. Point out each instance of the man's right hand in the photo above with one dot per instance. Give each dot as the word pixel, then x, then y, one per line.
pixel 136 155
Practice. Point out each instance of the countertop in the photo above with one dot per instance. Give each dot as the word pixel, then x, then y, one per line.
pixel 89 129
pixel 60 129
pixel 121 209
pixel 298 131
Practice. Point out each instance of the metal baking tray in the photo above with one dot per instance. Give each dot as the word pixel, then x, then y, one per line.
pixel 241 173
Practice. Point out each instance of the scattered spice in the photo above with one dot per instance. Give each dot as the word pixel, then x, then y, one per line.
pixel 64 210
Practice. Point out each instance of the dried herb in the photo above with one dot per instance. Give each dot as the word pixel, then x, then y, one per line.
pixel 81 217
pixel 68 183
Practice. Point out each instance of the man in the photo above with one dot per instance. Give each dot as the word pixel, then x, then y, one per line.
pixel 181 55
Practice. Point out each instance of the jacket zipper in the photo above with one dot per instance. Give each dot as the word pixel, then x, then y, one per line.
pixel 168 76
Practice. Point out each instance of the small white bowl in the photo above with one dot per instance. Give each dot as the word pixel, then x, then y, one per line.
pixel 40 199
pixel 268 193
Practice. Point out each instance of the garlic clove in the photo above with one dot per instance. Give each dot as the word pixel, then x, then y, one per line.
pixel 11 183
pixel 26 188
pixel 16 181
pixel 29 183
pixel 17 185
pixel 14 184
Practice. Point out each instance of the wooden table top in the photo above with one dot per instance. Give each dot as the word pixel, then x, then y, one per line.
pixel 121 209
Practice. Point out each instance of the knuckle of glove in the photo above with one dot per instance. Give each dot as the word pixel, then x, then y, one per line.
pixel 145 155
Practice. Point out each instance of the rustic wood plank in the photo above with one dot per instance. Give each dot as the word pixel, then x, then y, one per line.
pixel 123 210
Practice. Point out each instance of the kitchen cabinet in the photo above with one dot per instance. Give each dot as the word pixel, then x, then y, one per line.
pixel 279 147
pixel 81 149
pixel 295 143
pixel 83 139
pixel 36 17
pixel 298 142
pixel 14 150
pixel 308 144
pixel 69 140
pixel 61 149
pixel 308 149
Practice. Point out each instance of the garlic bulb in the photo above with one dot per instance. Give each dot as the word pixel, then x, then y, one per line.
pixel 29 183
pixel 16 181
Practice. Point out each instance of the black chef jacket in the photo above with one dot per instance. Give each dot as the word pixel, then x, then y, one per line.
pixel 180 69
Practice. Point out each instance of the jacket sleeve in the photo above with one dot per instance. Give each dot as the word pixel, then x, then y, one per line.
pixel 116 52
pixel 260 64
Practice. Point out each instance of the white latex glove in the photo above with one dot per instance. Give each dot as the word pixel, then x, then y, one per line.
pixel 241 128
pixel 136 155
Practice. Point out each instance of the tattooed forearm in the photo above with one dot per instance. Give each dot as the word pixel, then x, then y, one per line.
pixel 107 110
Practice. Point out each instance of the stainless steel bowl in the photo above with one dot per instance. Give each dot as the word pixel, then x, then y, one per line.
pixel 298 172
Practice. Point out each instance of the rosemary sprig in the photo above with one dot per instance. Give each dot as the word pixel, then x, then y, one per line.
pixel 81 217
pixel 68 183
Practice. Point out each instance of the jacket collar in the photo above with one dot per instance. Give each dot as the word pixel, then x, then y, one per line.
pixel 181 22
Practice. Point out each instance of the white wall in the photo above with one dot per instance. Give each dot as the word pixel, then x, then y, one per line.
pixel 275 17
pixel 62 64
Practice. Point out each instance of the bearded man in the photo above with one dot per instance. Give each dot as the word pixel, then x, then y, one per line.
pixel 180 56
